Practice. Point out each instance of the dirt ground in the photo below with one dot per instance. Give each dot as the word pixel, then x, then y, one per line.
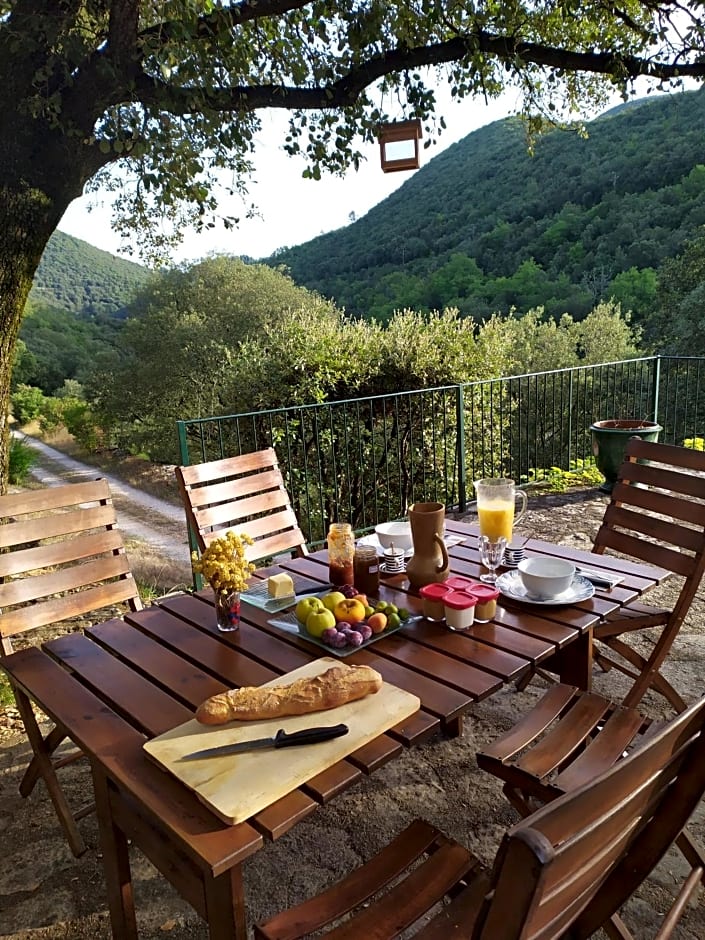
pixel 46 893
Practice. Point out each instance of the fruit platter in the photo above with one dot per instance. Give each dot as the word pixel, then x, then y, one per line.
pixel 342 620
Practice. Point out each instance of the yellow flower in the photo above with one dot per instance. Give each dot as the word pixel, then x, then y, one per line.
pixel 223 563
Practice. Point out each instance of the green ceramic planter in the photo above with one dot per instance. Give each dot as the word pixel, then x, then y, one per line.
pixel 609 441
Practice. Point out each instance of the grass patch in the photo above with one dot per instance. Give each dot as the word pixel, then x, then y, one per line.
pixel 6 696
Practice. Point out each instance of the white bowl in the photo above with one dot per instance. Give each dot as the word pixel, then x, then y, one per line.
pixel 544 578
pixel 397 532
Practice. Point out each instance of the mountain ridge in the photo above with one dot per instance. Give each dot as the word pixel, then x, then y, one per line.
pixel 77 277
pixel 486 200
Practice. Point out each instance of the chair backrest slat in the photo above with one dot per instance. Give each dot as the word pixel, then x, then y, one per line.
pixel 686 509
pixel 236 510
pixel 577 860
pixel 54 498
pixel 245 494
pixel 667 454
pixel 243 485
pixel 652 553
pixel 59 553
pixel 657 512
pixel 62 580
pixel 63 558
pixel 64 522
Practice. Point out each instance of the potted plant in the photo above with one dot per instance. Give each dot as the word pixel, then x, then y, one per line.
pixel 609 441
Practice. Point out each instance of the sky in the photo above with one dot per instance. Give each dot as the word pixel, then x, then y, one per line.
pixel 293 210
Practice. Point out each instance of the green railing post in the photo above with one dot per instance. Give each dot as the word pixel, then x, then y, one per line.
pixel 570 418
pixel 460 424
pixel 656 389
pixel 183 452
pixel 183 443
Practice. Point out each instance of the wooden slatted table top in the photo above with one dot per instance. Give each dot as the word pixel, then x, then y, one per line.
pixel 126 681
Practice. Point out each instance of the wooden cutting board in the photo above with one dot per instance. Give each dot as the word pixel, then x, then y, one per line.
pixel 236 786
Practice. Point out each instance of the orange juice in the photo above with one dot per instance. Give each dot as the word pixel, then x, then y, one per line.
pixel 496 518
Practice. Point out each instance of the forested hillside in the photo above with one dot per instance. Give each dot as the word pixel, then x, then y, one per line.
pixel 84 280
pixel 485 225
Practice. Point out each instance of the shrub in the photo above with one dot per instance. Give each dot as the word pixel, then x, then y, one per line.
pixel 27 403
pixel 22 459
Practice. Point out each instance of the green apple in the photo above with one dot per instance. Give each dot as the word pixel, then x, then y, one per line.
pixel 333 599
pixel 306 606
pixel 319 621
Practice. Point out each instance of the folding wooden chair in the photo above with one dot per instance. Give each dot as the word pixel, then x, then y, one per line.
pixel 657 515
pixel 60 557
pixel 566 742
pixel 563 872
pixel 245 494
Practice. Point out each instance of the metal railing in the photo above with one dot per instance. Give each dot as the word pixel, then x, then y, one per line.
pixel 365 460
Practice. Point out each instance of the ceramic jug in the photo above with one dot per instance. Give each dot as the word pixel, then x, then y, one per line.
pixel 429 563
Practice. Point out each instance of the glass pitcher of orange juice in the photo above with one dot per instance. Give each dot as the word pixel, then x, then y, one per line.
pixel 496 507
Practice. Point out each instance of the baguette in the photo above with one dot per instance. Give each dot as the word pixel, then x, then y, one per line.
pixel 337 686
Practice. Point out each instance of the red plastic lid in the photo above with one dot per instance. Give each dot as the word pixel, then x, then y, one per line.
pixel 460 600
pixel 459 583
pixel 483 592
pixel 434 592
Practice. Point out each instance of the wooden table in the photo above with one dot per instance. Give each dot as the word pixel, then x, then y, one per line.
pixel 125 681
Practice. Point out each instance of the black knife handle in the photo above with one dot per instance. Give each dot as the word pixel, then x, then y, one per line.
pixel 308 735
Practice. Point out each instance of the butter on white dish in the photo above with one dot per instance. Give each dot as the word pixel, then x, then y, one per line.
pixel 280 585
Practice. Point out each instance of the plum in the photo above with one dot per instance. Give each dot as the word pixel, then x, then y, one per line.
pixel 329 636
pixel 348 590
pixel 364 630
pixel 354 638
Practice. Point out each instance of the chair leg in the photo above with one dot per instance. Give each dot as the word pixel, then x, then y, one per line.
pixel 32 773
pixel 45 767
pixel 645 677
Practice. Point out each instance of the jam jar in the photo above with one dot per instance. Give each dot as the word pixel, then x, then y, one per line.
pixel 341 550
pixel 366 570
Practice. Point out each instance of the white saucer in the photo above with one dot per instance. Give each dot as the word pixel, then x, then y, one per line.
pixel 372 540
pixel 511 585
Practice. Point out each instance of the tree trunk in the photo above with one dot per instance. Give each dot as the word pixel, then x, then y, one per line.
pixel 27 219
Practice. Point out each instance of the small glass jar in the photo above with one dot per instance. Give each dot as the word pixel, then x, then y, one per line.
pixel 486 596
pixel 432 601
pixel 341 550
pixel 366 570
pixel 459 609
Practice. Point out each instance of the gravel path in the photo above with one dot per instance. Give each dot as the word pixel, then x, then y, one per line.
pixel 144 517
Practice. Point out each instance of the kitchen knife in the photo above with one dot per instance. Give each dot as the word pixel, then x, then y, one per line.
pixel 280 739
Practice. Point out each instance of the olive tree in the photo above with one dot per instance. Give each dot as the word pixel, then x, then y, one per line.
pixel 172 90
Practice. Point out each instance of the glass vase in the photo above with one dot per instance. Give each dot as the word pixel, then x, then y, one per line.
pixel 227 610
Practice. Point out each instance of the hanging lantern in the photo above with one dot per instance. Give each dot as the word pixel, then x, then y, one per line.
pixel 399 145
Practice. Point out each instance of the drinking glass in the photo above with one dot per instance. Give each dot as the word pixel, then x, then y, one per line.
pixel 496 501
pixel 491 556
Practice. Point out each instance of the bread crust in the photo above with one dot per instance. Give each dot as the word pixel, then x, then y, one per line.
pixel 336 686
